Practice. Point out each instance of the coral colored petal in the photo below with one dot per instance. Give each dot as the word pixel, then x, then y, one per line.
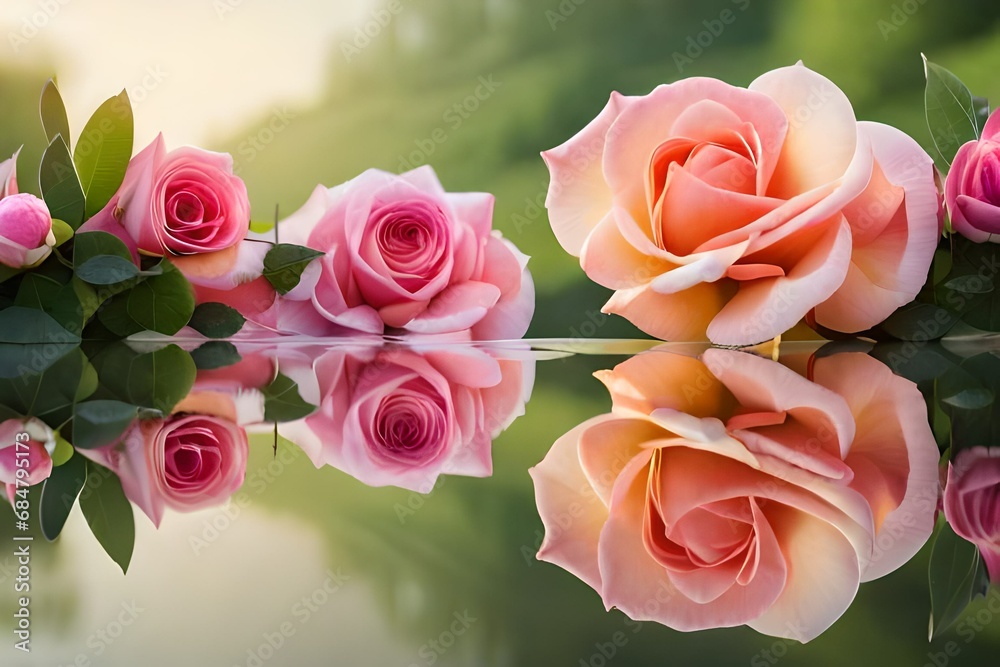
pixel 578 196
pixel 683 316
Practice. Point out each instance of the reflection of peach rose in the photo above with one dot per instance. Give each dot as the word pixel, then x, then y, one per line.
pixel 740 491
pixel 972 502
pixel 400 417
pixel 731 213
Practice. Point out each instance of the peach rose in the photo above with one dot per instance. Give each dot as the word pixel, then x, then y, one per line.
pixel 730 213
pixel 730 490
pixel 972 188
pixel 402 417
pixel 972 502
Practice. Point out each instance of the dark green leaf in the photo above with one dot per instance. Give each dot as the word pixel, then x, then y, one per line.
pixel 951 115
pixel 103 151
pixel 157 380
pixel 283 403
pixel 61 302
pixel 955 575
pixel 107 270
pixel 970 399
pixel 216 320
pixel 215 354
pixel 95 244
pixel 27 325
pixel 48 382
pixel 109 514
pixel 971 284
pixel 53 112
pixel 59 494
pixel 102 422
pixel 18 360
pixel 162 303
pixel 284 264
pixel 60 184
pixel 982 108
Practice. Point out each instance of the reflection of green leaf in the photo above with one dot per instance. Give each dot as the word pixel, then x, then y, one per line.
pixel 63 450
pixel 284 264
pixel 52 389
pixel 103 151
pixel 53 112
pixel 968 289
pixel 59 494
pixel 951 116
pixel 109 514
pixel 216 320
pixel 157 380
pixel 60 184
pixel 282 401
pixel 162 303
pixel 215 354
pixel 102 422
pixel 18 360
pixel 956 577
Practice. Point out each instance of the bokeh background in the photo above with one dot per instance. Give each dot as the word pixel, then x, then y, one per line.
pixel 303 92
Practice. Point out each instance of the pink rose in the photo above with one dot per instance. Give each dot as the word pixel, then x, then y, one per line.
pixel 26 237
pixel 30 441
pixel 972 502
pixel 403 255
pixel 401 417
pixel 187 204
pixel 730 213
pixel 972 189
pixel 197 456
pixel 730 490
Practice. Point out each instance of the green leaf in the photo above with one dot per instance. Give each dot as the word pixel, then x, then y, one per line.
pixel 951 115
pixel 162 303
pixel 60 184
pixel 972 398
pixel 215 354
pixel 53 112
pixel 956 577
pixel 61 301
pixel 282 401
pixel 971 284
pixel 157 380
pixel 216 320
pixel 109 514
pixel 103 151
pixel 27 325
pixel 18 359
pixel 61 231
pixel 107 270
pixel 49 381
pixel 102 422
pixel 982 108
pixel 284 264
pixel 96 244
pixel 919 321
pixel 59 494
pixel 63 450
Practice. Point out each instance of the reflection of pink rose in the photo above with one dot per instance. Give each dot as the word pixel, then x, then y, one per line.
pixel 402 254
pixel 732 491
pixel 399 417
pixel 972 189
pixel 730 213
pixel 36 442
pixel 197 456
pixel 972 502
pixel 26 236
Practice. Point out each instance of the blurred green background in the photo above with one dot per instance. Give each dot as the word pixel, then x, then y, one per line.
pixel 550 65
